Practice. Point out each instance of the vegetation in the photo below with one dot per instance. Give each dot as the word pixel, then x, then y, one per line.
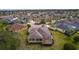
pixel 8 40
pixel 59 40
pixel 69 46
pixel 28 26
pixel 42 21
pixel 2 25
pixel 76 38
pixel 12 41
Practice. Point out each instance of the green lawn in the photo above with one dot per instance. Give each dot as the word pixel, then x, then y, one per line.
pixel 77 45
pixel 59 40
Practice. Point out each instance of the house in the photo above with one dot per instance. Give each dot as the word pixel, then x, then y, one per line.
pixel 16 27
pixel 40 34
pixel 65 27
pixel 11 20
pixel 7 19
pixel 75 23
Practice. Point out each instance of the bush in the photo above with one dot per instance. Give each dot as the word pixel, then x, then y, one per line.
pixel 71 32
pixel 76 39
pixel 68 46
pixel 28 25
pixel 42 21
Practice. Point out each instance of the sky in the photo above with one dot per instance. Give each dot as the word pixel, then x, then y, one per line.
pixel 38 4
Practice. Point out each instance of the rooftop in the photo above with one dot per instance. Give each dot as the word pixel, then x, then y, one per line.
pixel 40 31
pixel 16 27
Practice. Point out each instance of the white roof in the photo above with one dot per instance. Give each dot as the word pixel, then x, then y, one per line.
pixel 14 19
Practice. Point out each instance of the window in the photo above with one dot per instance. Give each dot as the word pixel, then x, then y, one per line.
pixel 32 39
pixel 37 39
pixel 40 39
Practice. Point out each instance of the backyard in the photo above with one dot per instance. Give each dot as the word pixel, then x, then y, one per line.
pixel 59 40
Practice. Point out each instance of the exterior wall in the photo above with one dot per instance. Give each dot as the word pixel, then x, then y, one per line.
pixel 34 36
pixel 61 30
pixel 34 41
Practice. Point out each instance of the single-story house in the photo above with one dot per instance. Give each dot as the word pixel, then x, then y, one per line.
pixel 16 27
pixel 75 23
pixel 11 20
pixel 39 34
pixel 65 27
pixel 7 19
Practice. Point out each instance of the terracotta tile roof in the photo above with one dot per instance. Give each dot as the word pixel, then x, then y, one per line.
pixel 16 27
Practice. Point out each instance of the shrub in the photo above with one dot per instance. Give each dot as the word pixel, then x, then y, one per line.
pixel 42 21
pixel 68 46
pixel 76 39
pixel 28 25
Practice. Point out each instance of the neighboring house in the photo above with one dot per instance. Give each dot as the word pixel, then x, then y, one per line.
pixel 7 19
pixel 24 19
pixel 39 34
pixel 11 20
pixel 16 27
pixel 15 20
pixel 75 23
pixel 65 27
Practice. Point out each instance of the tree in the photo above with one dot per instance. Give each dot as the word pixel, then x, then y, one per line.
pixel 76 39
pixel 28 25
pixel 68 46
pixel 42 21
pixel 8 41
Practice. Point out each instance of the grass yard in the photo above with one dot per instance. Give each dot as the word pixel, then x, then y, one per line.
pixel 24 45
pixel 76 45
pixel 59 40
